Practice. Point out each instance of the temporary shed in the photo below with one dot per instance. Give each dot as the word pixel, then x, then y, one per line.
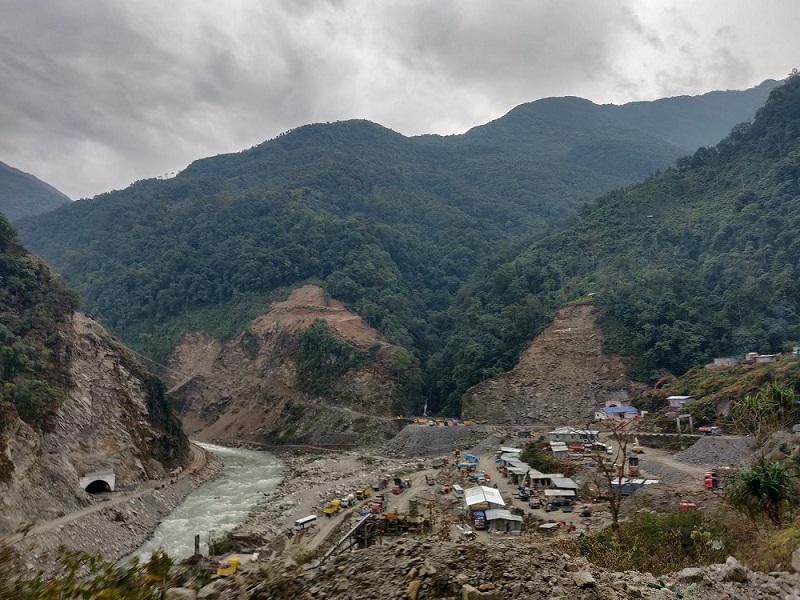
pixel 542 480
pixel 499 519
pixel 559 450
pixel 483 495
pixel 506 457
pixel 616 413
pixel 678 401
pixel 563 483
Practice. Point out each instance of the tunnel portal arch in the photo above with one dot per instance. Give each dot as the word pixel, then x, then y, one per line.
pixel 97 483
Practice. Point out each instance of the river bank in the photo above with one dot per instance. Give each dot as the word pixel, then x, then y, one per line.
pixel 113 531
pixel 311 480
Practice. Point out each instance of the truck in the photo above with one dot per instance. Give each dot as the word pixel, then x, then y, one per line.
pixel 332 507
pixel 348 500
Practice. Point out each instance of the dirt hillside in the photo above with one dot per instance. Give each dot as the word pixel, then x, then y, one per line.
pixel 560 379
pixel 247 389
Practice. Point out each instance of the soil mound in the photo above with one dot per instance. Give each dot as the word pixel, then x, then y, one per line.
pixel 715 451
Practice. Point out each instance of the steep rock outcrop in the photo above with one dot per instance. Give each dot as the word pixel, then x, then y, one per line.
pixel 251 388
pixel 113 418
pixel 560 378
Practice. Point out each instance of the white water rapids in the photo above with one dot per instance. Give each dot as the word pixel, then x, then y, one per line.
pixel 217 506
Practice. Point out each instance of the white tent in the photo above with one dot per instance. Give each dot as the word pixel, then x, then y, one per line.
pixel 482 494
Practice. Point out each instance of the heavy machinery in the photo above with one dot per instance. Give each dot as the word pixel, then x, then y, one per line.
pixel 637 448
pixel 363 494
pixel 332 507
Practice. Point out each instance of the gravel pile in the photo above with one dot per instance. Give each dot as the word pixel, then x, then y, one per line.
pixel 714 451
pixel 421 440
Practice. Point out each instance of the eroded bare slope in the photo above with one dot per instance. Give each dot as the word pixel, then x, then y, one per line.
pixel 248 388
pixel 561 377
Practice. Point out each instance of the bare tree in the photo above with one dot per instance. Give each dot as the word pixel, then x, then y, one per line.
pixel 614 467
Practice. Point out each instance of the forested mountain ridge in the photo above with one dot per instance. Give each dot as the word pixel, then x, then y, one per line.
pixel 23 195
pixel 391 225
pixel 698 261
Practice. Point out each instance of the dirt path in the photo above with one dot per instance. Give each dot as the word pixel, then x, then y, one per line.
pixel 661 465
pixel 196 465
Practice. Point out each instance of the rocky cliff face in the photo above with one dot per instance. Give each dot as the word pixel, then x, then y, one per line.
pixel 561 378
pixel 272 385
pixel 113 417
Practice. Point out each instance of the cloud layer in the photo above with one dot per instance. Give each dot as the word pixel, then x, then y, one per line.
pixel 96 95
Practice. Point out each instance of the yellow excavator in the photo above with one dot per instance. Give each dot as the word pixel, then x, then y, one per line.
pixel 637 448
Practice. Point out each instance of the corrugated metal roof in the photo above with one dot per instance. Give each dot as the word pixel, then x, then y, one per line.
pixel 564 483
pixel 614 410
pixel 559 492
pixel 501 513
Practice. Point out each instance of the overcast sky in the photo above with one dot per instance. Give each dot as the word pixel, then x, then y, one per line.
pixel 95 94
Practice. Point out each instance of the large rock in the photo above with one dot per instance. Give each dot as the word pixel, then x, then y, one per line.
pixel 796 560
pixel 180 594
pixel 690 575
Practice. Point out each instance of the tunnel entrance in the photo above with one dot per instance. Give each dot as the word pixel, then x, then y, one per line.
pixel 98 486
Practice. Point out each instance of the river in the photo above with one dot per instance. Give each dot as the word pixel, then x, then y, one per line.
pixel 219 505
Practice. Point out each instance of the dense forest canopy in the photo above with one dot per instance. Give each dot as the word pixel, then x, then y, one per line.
pixel 698 261
pixel 393 226
pixel 33 305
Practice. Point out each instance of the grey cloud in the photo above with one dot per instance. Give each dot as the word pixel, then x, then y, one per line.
pixel 98 94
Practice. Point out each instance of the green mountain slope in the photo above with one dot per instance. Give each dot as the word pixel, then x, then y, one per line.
pixel 693 121
pixel 22 195
pixel 392 225
pixel 696 262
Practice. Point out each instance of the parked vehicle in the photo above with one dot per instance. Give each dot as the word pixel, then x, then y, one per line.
pixel 333 507
pixel 586 511
pixel 348 500
pixel 306 522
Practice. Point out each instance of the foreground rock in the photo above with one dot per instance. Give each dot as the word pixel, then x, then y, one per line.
pixel 510 568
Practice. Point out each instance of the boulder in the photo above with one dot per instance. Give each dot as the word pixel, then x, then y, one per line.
pixel 583 579
pixel 180 594
pixel 690 575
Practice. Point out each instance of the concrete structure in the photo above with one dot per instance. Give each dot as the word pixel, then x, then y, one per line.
pixel 542 480
pixel 767 358
pixel 99 481
pixel 726 361
pixel 499 519
pixel 678 401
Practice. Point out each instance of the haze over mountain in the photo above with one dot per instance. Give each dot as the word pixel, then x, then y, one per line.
pixel 23 195
pixel 391 225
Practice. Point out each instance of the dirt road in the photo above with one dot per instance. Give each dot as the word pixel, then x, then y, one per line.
pixel 196 465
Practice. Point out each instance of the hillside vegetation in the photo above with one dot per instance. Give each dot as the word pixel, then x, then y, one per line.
pixel 22 195
pixel 391 225
pixel 34 304
pixel 697 261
